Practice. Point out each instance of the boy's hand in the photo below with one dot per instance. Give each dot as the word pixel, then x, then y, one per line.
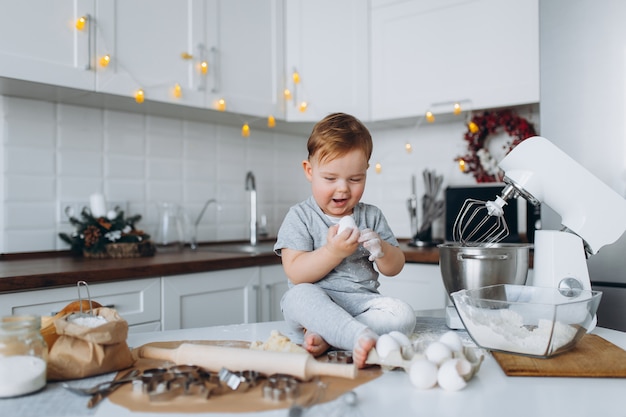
pixel 371 242
pixel 343 244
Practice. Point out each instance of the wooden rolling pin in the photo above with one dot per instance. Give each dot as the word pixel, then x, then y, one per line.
pixel 214 358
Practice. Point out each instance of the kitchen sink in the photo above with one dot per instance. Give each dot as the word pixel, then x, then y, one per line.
pixel 258 249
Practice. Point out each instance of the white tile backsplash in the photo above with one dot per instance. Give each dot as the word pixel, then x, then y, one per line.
pixel 55 152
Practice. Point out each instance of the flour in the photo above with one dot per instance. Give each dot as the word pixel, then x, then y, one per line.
pixel 21 374
pixel 505 330
pixel 88 321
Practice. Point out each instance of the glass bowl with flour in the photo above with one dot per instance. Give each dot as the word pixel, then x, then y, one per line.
pixel 23 356
pixel 526 320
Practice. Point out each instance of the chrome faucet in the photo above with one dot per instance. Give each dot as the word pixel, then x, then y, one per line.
pixel 251 186
pixel 194 239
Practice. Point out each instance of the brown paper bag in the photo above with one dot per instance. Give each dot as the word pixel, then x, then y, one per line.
pixel 82 351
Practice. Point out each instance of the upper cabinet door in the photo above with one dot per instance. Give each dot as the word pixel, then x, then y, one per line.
pixel 39 42
pixel 326 42
pixel 429 52
pixel 245 44
pixel 156 46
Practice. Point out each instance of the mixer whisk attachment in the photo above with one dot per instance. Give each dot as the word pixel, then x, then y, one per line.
pixel 480 223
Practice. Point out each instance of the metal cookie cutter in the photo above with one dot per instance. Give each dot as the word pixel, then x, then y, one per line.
pixel 239 381
pixel 280 388
pixel 340 356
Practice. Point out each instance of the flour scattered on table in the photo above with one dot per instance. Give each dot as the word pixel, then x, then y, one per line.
pixel 278 342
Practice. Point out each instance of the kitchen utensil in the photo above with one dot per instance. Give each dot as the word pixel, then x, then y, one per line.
pixel 103 386
pixel 528 320
pixel 469 267
pixel 480 223
pixel 298 408
pixel 173 222
pixel 81 312
pixel 592 213
pixel 214 358
pixel 592 357
pixel 101 395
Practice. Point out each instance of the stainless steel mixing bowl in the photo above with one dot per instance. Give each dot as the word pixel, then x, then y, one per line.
pixel 464 267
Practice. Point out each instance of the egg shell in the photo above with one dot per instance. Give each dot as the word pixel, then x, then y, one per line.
pixel 449 377
pixel 385 345
pixel 423 374
pixel 346 222
pixel 401 338
pixel 438 353
pixel 452 340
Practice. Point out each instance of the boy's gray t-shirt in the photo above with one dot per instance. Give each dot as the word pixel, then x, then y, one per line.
pixel 305 228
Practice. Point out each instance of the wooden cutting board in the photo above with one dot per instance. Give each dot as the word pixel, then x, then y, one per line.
pixel 593 356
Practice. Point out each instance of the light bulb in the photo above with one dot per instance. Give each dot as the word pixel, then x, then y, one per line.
pixel 473 127
pixel 287 94
pixel 204 67
pixel 271 121
pixel 139 96
pixel 296 77
pixel 80 23
pixel 245 130
pixel 186 55
pixel 408 147
pixel 462 165
pixel 457 109
pixel 378 167
pixel 430 117
pixel 303 106
pixel 178 91
pixel 105 60
pixel 221 104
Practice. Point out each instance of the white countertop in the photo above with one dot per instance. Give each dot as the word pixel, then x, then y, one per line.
pixel 489 393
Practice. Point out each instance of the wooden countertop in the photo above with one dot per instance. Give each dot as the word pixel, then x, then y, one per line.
pixel 19 272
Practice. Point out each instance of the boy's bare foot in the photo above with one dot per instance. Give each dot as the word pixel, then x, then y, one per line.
pixel 365 343
pixel 315 344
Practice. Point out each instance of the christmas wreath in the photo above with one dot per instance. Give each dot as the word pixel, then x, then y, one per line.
pixel 478 161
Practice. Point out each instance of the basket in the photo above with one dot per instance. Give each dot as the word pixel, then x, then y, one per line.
pixel 123 250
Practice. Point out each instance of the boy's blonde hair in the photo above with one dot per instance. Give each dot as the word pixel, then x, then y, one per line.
pixel 336 135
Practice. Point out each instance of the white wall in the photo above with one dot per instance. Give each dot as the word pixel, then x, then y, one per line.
pixel 57 153
pixel 583 92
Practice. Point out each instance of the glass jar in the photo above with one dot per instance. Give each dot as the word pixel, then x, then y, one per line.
pixel 23 356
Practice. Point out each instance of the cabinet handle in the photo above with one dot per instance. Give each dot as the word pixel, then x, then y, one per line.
pixel 215 59
pixel 90 29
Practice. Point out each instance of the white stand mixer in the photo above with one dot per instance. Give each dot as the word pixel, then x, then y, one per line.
pixel 592 214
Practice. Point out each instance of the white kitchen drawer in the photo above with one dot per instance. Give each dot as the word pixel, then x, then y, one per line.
pixel 420 285
pixel 137 301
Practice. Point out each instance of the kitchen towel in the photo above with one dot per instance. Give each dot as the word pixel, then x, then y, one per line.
pixel 593 356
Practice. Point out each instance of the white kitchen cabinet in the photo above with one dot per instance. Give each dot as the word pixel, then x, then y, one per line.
pixel 137 301
pixel 146 40
pixel 210 298
pixel 429 53
pixel 39 42
pixel 420 285
pixel 327 42
pixel 242 295
pixel 272 286
pixel 245 44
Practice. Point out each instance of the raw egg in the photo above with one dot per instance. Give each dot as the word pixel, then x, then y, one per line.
pixel 438 353
pixel 385 345
pixel 423 374
pixel 346 222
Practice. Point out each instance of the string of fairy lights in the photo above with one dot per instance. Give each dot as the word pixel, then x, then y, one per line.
pixel 455 107
pixel 293 91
